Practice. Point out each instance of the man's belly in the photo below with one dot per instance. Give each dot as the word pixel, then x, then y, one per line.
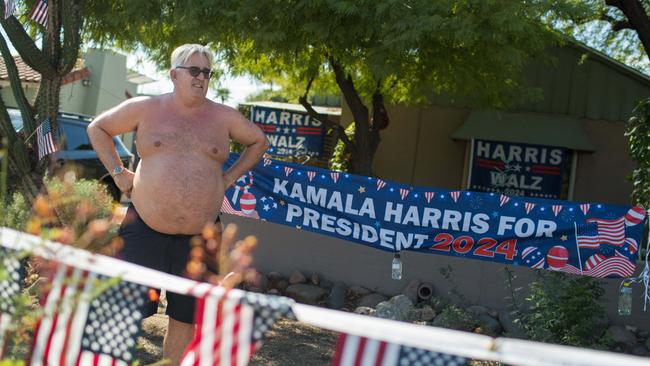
pixel 178 195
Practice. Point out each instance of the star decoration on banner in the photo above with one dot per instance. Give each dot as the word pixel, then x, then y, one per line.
pixel 564 238
pixel 282 202
pixel 362 189
pixel 495 214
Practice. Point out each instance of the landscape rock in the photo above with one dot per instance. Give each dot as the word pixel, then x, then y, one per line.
pixel 411 291
pixel 371 300
pixel 297 277
pixel 511 329
pixel 397 308
pixel 423 314
pixel 357 292
pixel 308 294
pixel 326 284
pixel 364 310
pixel 260 283
pixel 315 279
pixel 274 278
pixel 336 298
pixel 282 285
pixel 488 325
pixel 386 310
pixel 621 337
pixel 403 304
pixel 477 310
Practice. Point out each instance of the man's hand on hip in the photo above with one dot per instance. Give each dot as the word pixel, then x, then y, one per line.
pixel 124 181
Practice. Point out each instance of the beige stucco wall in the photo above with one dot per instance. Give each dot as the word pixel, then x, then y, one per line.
pixel 30 90
pixel 73 97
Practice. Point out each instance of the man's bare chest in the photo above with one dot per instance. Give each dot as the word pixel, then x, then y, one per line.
pixel 183 136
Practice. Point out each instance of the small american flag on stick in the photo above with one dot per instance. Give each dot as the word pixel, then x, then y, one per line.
pixel 39 13
pixel 12 274
pixel 354 350
pixel 231 325
pixel 80 328
pixel 45 139
pixel 10 8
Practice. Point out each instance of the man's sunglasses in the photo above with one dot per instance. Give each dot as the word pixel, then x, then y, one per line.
pixel 195 71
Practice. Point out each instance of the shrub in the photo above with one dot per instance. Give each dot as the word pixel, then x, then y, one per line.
pixel 453 317
pixel 79 202
pixel 564 309
pixel 16 213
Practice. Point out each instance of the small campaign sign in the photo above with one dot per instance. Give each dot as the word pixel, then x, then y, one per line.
pixel 517 169
pixel 290 133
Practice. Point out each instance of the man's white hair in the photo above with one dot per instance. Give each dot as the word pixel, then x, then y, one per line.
pixel 182 53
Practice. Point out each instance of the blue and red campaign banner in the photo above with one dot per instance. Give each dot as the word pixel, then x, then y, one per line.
pixel 592 239
pixel 517 169
pixel 290 133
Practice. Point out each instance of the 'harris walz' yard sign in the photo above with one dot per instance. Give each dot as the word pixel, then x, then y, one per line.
pixel 290 133
pixel 580 238
pixel 517 169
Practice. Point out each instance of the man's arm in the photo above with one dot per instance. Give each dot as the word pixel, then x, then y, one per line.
pixel 117 120
pixel 248 134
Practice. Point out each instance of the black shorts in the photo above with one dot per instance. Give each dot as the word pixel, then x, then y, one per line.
pixel 163 252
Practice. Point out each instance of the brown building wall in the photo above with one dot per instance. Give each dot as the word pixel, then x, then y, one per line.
pixel 417 149
pixel 601 175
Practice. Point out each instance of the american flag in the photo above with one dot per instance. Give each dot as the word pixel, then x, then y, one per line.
pixel 599 231
pixel 354 350
pixel 44 139
pixel 80 328
pixel 10 7
pixel 39 13
pixel 12 274
pixel 231 325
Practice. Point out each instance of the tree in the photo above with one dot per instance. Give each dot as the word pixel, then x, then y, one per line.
pixel 54 59
pixel 375 52
pixel 619 28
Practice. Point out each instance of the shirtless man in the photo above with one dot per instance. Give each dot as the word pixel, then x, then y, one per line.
pixel 183 140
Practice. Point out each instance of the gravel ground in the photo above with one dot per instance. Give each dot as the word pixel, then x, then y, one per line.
pixel 287 343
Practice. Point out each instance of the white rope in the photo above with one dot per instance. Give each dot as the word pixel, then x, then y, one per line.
pixel 506 350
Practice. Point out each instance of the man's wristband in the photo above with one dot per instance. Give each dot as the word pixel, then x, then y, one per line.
pixel 117 170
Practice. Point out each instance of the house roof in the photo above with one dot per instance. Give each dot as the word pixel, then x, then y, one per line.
pixel 332 111
pixel 29 75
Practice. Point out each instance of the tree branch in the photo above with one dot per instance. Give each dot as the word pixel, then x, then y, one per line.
pixel 637 17
pixel 617 25
pixel 358 109
pixel 23 43
pixel 26 110
pixel 72 23
pixel 323 118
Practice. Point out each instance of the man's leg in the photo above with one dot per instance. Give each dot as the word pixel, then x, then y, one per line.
pixel 177 338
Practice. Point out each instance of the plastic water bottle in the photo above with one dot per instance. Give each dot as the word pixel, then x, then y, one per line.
pixel 396 268
pixel 625 299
